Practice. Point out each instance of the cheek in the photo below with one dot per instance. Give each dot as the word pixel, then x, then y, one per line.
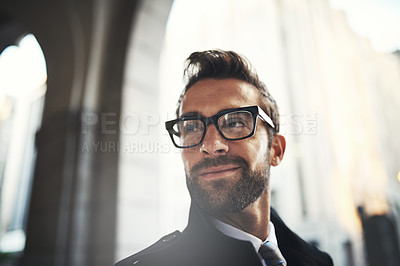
pixel 185 160
pixel 189 158
pixel 258 153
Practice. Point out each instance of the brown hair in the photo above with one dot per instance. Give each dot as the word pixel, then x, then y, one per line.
pixel 219 64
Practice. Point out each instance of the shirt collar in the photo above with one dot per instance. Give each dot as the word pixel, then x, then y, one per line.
pixel 236 233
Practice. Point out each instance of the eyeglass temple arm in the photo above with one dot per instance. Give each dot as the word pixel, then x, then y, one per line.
pixel 265 117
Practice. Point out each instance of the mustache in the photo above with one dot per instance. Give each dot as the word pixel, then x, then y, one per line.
pixel 217 161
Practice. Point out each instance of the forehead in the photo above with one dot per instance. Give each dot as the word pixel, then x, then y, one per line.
pixel 210 96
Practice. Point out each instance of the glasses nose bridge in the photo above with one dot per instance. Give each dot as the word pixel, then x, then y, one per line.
pixel 213 140
pixel 212 120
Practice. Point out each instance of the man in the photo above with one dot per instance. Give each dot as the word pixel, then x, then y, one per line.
pixel 227 128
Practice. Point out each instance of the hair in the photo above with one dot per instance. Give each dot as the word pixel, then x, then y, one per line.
pixel 219 64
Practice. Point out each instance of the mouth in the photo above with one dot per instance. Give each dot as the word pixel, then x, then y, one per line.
pixel 218 171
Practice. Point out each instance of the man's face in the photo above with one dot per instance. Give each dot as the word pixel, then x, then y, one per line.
pixel 224 175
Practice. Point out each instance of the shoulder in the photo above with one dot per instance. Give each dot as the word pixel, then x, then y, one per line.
pixel 162 244
pixel 296 250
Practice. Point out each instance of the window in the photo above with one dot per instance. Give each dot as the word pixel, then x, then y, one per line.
pixel 22 89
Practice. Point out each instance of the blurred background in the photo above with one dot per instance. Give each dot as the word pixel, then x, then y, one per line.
pixel 88 174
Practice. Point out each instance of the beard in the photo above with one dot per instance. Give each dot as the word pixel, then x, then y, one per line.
pixel 227 194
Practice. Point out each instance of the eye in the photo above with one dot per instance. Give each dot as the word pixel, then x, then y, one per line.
pixel 235 123
pixel 191 127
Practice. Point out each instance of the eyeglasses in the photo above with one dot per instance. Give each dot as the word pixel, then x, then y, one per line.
pixel 232 124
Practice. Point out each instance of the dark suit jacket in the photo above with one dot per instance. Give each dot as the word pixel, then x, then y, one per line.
pixel 202 244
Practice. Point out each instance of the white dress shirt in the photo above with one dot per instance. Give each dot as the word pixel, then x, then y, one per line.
pixel 236 233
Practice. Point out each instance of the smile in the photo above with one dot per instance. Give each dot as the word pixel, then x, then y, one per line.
pixel 218 171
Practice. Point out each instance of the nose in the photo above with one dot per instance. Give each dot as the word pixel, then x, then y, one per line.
pixel 213 143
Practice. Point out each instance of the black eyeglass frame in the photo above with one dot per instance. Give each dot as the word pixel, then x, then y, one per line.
pixel 255 110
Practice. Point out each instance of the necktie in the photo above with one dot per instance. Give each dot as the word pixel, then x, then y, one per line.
pixel 271 255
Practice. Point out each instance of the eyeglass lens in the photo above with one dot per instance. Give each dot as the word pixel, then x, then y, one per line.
pixel 234 125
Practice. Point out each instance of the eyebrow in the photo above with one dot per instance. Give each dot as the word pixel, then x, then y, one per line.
pixel 191 114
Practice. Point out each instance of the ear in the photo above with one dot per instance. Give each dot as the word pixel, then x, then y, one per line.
pixel 277 149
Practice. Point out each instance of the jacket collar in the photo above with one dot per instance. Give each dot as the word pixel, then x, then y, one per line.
pixel 212 242
pixel 295 250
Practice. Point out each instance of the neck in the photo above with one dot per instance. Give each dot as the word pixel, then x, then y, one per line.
pixel 254 219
